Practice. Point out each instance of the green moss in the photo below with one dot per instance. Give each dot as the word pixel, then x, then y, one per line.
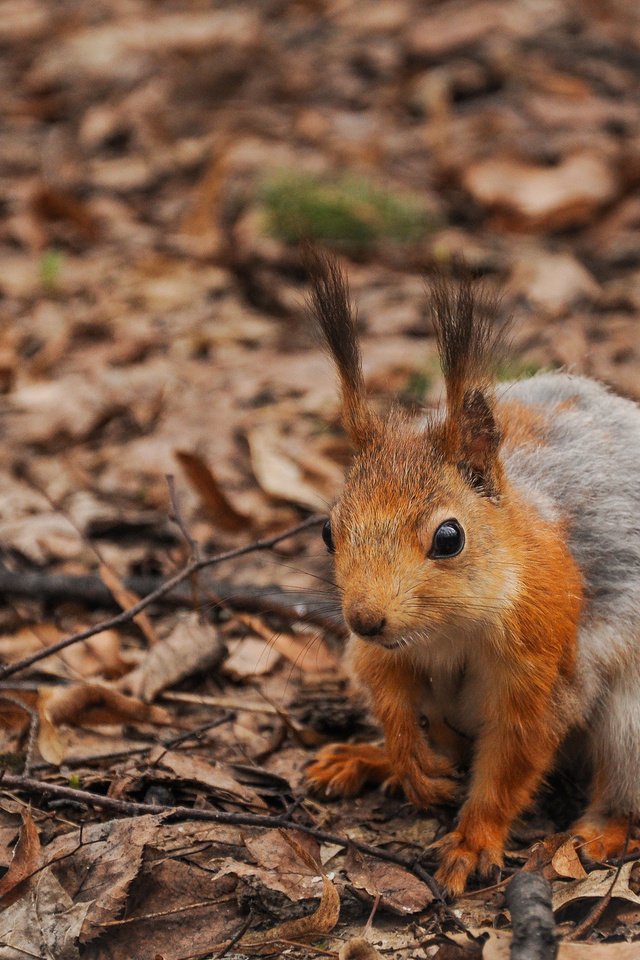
pixel 348 213
pixel 50 265
pixel 416 387
pixel 514 369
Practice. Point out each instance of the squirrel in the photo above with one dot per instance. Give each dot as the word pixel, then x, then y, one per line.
pixel 487 557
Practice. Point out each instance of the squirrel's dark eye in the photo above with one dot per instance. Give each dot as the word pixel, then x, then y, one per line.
pixel 327 537
pixel 448 541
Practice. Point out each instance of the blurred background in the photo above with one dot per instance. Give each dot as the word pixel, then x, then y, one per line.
pixel 160 163
pixel 161 160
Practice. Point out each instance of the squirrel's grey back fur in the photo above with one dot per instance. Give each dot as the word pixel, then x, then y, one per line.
pixel 587 473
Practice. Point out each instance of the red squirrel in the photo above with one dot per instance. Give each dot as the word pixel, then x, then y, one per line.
pixel 488 561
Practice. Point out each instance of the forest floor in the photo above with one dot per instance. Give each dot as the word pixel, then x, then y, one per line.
pixel 159 162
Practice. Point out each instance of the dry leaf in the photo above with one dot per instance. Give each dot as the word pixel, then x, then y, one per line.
pixel 543 198
pixel 566 862
pixel 318 923
pixel 98 867
pixel 399 890
pixel 50 744
pixel 92 703
pixel 45 922
pixel 597 884
pixel 277 472
pixel 215 502
pixel 498 944
pixel 307 651
pixel 191 647
pixel 555 857
pixel 358 949
pixel 26 858
pixel 216 776
pixel 126 599
pixel 250 657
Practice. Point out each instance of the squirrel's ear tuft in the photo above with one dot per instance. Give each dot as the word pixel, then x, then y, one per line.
pixel 478 444
pixel 471 344
pixel 331 311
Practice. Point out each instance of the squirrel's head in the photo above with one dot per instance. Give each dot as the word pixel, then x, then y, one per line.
pixel 417 534
pixel 419 545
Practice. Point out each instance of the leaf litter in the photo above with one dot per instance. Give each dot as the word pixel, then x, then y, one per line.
pixel 151 318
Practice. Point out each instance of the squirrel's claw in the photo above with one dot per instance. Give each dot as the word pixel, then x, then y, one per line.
pixel 459 857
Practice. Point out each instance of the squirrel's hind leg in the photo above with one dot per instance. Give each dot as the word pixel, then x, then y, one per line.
pixel 611 821
pixel 344 769
pixel 604 838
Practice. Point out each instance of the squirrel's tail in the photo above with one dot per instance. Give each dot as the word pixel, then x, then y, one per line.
pixel 330 307
pixel 471 344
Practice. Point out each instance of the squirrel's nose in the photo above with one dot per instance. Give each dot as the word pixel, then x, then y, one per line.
pixel 367 624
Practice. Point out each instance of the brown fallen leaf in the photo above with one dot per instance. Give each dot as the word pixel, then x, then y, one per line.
pixel 596 885
pixel 93 703
pixel 52 203
pixel 318 923
pixel 250 657
pixel 542 198
pixel 358 949
pixel 399 890
pixel 498 947
pixel 214 775
pixel 191 647
pixel 97 655
pixel 307 651
pixel 566 862
pixel 212 497
pixel 26 858
pixel 45 922
pixel 98 865
pixel 278 472
pixel 555 857
pixel 126 599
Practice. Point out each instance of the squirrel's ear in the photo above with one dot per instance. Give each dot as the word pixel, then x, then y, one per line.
pixel 479 444
pixel 331 310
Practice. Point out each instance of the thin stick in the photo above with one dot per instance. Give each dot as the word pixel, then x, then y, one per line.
pixel 132 808
pixel 192 544
pixel 126 616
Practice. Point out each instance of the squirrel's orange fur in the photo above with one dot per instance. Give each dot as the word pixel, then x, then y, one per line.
pixel 482 644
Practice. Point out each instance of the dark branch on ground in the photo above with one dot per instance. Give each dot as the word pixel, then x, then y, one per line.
pixel 166 587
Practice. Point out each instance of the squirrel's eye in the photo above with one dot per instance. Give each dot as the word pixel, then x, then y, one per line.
pixel 327 537
pixel 448 540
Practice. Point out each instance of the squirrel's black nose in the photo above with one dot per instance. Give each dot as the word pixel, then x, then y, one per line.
pixel 367 625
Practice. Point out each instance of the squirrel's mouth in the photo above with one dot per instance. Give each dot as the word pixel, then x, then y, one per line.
pixel 401 643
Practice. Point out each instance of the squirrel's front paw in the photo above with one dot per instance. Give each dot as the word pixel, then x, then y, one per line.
pixel 343 769
pixel 422 790
pixel 461 855
pixel 427 780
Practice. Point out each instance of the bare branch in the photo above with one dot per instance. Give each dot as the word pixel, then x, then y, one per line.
pixel 127 616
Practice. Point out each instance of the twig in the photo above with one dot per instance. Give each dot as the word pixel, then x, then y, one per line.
pixel 178 519
pixel 137 751
pixel 133 808
pixel 601 905
pixel 127 615
pixel 193 545
pixel 534 931
pixel 160 913
pixel 238 935
pixel 90 590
